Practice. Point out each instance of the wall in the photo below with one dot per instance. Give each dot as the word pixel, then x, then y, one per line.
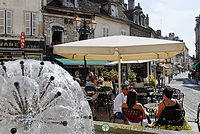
pixel 114 27
pixel 18 8
pixel 140 31
pixel 69 35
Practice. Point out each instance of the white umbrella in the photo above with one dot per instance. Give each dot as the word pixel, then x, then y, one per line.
pixel 114 48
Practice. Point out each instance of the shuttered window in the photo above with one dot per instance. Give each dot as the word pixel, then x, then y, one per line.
pixel 28 23
pixel 105 31
pixel 2 21
pixel 8 22
pixel 123 32
pixel 34 23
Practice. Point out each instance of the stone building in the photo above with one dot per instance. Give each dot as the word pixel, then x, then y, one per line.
pixel 111 19
pixel 16 17
pixel 181 61
pixel 59 15
pixel 139 22
pixel 197 38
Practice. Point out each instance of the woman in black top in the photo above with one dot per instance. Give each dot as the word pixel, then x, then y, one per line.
pixel 170 111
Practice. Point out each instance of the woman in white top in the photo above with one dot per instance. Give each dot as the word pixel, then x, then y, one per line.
pixel 138 84
pixel 107 83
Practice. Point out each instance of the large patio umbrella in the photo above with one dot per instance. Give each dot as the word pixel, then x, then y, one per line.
pixel 114 48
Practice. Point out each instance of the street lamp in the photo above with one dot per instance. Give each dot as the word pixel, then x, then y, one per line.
pixel 84 29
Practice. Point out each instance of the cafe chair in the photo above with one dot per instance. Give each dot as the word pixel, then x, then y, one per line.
pixel 133 115
pixel 173 117
pixel 106 89
pixel 118 116
pixel 90 90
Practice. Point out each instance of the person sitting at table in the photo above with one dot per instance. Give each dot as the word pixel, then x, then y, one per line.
pixel 132 103
pixel 99 86
pixel 101 77
pixel 78 79
pixel 107 82
pixel 138 83
pixel 170 111
pixel 90 83
pixel 119 100
pixel 90 89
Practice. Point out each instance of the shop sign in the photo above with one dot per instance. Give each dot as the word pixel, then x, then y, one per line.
pixel 17 44
pixel 22 40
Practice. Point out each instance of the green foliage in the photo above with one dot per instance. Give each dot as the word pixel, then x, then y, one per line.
pixel 107 73
pixel 132 76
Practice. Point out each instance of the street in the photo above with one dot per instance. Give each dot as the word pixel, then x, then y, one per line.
pixel 191 98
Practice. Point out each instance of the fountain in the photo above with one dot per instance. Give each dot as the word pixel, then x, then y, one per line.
pixel 41 98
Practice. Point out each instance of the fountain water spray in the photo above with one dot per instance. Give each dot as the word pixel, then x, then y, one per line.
pixel 41 98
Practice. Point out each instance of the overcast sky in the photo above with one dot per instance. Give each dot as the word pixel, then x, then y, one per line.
pixel 177 16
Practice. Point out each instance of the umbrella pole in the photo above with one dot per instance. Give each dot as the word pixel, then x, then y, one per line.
pixel 85 70
pixel 119 71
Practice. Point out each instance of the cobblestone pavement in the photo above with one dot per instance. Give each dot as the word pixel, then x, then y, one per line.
pixel 191 98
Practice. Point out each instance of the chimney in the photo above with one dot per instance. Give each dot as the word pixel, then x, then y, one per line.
pixel 147 21
pixel 125 5
pixel 121 1
pixel 158 32
pixel 131 4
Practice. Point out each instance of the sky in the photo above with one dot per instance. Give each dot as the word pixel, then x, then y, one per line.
pixel 173 16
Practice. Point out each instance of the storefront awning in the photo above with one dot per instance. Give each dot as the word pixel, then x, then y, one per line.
pixel 195 65
pixel 66 61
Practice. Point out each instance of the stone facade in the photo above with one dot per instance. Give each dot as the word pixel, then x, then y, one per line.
pixel 139 22
pixel 197 38
pixel 89 5
pixel 113 27
pixel 140 31
pixel 69 34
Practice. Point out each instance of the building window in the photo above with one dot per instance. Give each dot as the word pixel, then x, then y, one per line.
pixel 114 11
pixel 105 31
pixel 123 32
pixel 5 22
pixel 30 23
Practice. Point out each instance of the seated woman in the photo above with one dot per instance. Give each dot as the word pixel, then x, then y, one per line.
pixel 107 83
pixel 138 83
pixel 131 104
pixel 170 111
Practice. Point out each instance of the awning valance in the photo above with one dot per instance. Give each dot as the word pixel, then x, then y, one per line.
pixel 195 65
pixel 66 61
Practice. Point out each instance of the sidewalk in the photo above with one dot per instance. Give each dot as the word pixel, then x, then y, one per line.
pixel 194 81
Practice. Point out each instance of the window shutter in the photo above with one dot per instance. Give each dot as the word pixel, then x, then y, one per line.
pixel 8 22
pixel 34 24
pixel 107 30
pixel 104 31
pixel 28 23
pixel 2 21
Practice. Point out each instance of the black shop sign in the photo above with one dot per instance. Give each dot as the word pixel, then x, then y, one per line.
pixel 16 44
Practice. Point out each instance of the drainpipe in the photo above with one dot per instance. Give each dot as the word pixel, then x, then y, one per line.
pixel 43 25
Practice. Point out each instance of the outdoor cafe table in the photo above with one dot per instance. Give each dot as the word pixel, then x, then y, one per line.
pixel 151 108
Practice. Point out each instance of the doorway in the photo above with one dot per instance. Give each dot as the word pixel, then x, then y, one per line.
pixel 57 37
